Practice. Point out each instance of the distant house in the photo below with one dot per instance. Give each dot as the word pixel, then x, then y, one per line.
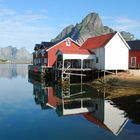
pixel 40 55
pixel 111 50
pixel 134 54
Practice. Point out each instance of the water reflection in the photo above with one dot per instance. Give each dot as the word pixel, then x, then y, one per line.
pixel 13 70
pixel 82 100
pixel 131 105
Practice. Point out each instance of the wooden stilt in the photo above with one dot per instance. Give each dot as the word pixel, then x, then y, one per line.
pixel 104 77
pixel 116 72
pixel 98 74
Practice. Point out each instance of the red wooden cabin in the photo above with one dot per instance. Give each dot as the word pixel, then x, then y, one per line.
pixel 134 54
pixel 45 54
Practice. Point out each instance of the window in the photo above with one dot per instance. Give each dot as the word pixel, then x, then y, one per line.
pixel 59 58
pixel 45 60
pixel 35 61
pixel 42 52
pixel 68 42
pixel 97 60
pixel 36 53
pixel 38 60
pixel 96 106
pixel 87 63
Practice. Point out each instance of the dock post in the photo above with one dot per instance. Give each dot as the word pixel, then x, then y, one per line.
pixel 116 72
pixel 98 74
pixel 62 70
pixel 81 70
pixel 104 77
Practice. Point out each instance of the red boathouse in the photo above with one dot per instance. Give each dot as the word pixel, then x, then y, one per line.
pixel 134 54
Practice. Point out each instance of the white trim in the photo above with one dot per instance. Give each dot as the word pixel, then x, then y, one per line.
pixel 62 41
pixel 75 56
pixel 117 33
pixel 59 52
pixel 79 56
pixel 108 41
pixel 124 41
pixel 122 126
pixel 51 106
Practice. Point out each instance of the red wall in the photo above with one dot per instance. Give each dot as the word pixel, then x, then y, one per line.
pixel 135 54
pixel 52 99
pixel 52 52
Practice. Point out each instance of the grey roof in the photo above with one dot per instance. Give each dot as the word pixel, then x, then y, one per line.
pixel 134 45
pixel 37 46
pixel 44 45
pixel 48 44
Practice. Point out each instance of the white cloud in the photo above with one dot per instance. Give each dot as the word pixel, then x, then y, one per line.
pixel 123 20
pixel 123 24
pixel 106 17
pixel 124 27
pixel 126 24
pixel 6 12
pixel 23 30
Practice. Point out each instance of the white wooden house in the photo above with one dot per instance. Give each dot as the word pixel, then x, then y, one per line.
pixel 111 50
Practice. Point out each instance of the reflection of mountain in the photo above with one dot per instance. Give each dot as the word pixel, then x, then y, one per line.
pixel 13 70
pixel 81 100
pixel 131 105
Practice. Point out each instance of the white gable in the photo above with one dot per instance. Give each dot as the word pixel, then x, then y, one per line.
pixel 114 118
pixel 116 53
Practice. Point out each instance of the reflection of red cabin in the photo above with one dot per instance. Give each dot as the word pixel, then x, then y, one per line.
pixel 53 101
pixel 134 54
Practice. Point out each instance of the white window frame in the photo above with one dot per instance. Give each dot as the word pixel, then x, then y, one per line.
pixel 131 61
pixel 68 43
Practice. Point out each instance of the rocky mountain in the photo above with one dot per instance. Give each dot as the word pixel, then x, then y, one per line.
pixel 12 54
pixel 90 26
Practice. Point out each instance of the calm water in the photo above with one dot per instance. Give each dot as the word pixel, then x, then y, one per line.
pixel 30 109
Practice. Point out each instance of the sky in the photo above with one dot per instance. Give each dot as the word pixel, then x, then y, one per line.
pixel 23 23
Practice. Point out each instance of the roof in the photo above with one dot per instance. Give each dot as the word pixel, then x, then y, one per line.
pixel 96 121
pixel 134 45
pixel 69 50
pixel 57 43
pixel 37 46
pixel 44 45
pixel 97 42
pixel 48 44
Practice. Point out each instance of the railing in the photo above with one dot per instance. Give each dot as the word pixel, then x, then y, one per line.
pixel 73 65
